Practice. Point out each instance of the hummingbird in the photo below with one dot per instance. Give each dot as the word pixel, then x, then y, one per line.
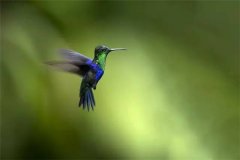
pixel 91 70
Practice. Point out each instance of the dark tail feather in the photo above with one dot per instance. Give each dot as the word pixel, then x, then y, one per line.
pixel 92 100
pixel 87 99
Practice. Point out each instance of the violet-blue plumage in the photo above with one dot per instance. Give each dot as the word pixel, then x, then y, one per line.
pixel 91 70
pixel 98 69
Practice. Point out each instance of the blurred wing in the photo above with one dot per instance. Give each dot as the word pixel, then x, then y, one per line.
pixel 74 56
pixel 70 66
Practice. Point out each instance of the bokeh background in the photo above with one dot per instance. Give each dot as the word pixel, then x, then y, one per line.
pixel 173 95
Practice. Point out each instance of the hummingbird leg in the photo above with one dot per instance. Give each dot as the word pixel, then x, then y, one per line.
pixel 94 86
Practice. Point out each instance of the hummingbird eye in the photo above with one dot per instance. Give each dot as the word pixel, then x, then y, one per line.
pixel 104 49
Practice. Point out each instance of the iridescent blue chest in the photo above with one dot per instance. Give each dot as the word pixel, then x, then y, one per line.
pixel 94 74
pixel 99 72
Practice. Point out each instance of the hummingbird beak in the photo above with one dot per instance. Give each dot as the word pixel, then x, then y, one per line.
pixel 115 49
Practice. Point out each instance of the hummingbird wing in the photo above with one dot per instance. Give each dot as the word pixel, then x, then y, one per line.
pixel 74 56
pixel 69 66
pixel 74 63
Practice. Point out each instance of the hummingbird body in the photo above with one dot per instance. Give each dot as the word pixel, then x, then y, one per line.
pixel 91 70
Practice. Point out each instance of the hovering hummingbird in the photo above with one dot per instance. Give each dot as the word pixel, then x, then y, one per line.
pixel 91 70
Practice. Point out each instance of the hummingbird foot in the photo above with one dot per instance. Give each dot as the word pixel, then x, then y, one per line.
pixel 94 86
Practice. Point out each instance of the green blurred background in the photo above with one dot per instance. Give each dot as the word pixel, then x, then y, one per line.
pixel 173 95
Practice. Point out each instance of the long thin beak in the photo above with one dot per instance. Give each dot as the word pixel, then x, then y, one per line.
pixel 115 49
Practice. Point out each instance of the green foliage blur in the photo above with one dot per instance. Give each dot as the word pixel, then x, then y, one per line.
pixel 173 95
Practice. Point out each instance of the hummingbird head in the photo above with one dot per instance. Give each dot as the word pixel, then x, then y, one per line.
pixel 104 50
pixel 101 53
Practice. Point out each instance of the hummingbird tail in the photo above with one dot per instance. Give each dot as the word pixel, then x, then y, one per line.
pixel 86 98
